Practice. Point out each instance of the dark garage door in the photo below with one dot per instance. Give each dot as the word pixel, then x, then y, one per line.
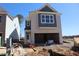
pixel 42 38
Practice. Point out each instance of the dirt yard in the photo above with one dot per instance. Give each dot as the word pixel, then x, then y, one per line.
pixel 2 50
pixel 57 50
pixel 62 49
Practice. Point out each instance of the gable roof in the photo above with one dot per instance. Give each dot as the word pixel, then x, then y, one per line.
pixel 47 8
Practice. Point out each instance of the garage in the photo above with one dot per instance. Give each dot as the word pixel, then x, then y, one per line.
pixel 42 38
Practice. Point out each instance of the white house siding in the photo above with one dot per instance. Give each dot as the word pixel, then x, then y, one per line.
pixel 12 28
pixel 17 26
pixel 9 27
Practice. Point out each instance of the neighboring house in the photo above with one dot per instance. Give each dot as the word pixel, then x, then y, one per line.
pixel 68 37
pixel 9 27
pixel 71 37
pixel 43 25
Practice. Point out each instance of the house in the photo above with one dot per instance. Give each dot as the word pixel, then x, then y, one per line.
pixel 9 27
pixel 43 25
pixel 72 37
pixel 68 37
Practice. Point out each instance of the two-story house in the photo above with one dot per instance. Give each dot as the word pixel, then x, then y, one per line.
pixel 43 25
pixel 9 27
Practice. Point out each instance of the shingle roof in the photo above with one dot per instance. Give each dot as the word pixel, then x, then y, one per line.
pixel 47 8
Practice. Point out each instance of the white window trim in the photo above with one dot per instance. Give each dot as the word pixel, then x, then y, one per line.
pixel 44 18
pixel 52 19
pixel 49 19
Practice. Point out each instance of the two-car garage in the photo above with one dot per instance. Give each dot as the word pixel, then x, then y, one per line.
pixel 42 38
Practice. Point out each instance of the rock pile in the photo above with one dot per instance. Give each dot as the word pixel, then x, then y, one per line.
pixel 57 51
pixel 37 52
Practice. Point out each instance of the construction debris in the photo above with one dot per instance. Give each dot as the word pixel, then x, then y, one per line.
pixel 57 51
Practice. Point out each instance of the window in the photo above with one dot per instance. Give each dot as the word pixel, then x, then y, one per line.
pixel 43 18
pixel 0 39
pixel 0 18
pixel 47 19
pixel 28 23
pixel 51 19
pixel 27 36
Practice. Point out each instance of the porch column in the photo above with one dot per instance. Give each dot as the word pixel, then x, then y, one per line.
pixel 25 40
pixel 32 38
pixel 60 38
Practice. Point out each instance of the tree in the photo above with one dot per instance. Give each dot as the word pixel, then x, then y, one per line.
pixel 20 17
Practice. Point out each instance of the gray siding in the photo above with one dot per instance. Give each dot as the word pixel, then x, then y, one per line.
pixel 2 26
pixel 46 25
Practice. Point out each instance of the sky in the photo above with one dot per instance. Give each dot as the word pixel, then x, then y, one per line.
pixel 69 14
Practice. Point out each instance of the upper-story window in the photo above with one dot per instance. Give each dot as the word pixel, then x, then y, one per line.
pixel 28 23
pixel 47 19
pixel 0 19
